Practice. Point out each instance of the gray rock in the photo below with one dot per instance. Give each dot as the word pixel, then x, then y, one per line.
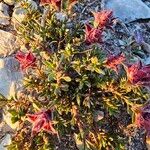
pixel 4 16
pixel 8 43
pixel 19 13
pixel 61 16
pixel 98 115
pixel 4 8
pixel 7 120
pixel 10 77
pixel 128 10
pixel 147 61
pixel 9 2
pixel 6 141
pixel 5 135
pixel 4 20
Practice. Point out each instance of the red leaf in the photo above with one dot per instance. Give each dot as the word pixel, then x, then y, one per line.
pixel 92 35
pixel 113 61
pixel 103 18
pixel 42 121
pixel 25 60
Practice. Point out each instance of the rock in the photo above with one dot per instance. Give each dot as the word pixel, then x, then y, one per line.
pixel 128 10
pixel 19 13
pixel 5 135
pixel 98 115
pixel 32 4
pixel 146 47
pixel 10 77
pixel 9 2
pixel 4 16
pixel 147 61
pixel 61 16
pixel 10 126
pixel 6 141
pixel 8 43
pixel 4 8
pixel 5 128
pixel 4 20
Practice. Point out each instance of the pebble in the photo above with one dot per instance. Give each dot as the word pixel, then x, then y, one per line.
pixel 9 2
pixel 19 13
pixel 5 141
pixel 4 16
pixel 8 43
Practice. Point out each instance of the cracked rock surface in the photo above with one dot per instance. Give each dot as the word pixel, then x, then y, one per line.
pixel 8 43
pixel 128 10
pixel 10 77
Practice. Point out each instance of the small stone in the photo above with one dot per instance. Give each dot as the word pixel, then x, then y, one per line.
pixel 10 77
pixel 33 4
pixel 7 119
pixel 8 43
pixel 4 20
pixel 61 16
pixel 4 8
pixel 4 16
pixel 98 115
pixel 5 128
pixel 128 10
pixel 146 47
pixel 147 61
pixel 6 141
pixel 9 2
pixel 19 13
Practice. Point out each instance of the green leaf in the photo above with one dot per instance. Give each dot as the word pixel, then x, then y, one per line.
pixel 21 112
pixel 81 85
pixel 51 77
pixel 13 112
pixel 78 99
pixel 14 119
pixel 49 65
pixel 67 78
pixel 94 60
pixel 100 71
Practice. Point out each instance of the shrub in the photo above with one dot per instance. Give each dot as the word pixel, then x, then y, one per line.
pixel 73 87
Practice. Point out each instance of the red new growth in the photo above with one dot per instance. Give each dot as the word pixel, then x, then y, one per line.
pixel 142 118
pixel 113 61
pixel 25 60
pixel 55 3
pixel 138 74
pixel 92 35
pixel 42 121
pixel 71 3
pixel 45 2
pixel 103 18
